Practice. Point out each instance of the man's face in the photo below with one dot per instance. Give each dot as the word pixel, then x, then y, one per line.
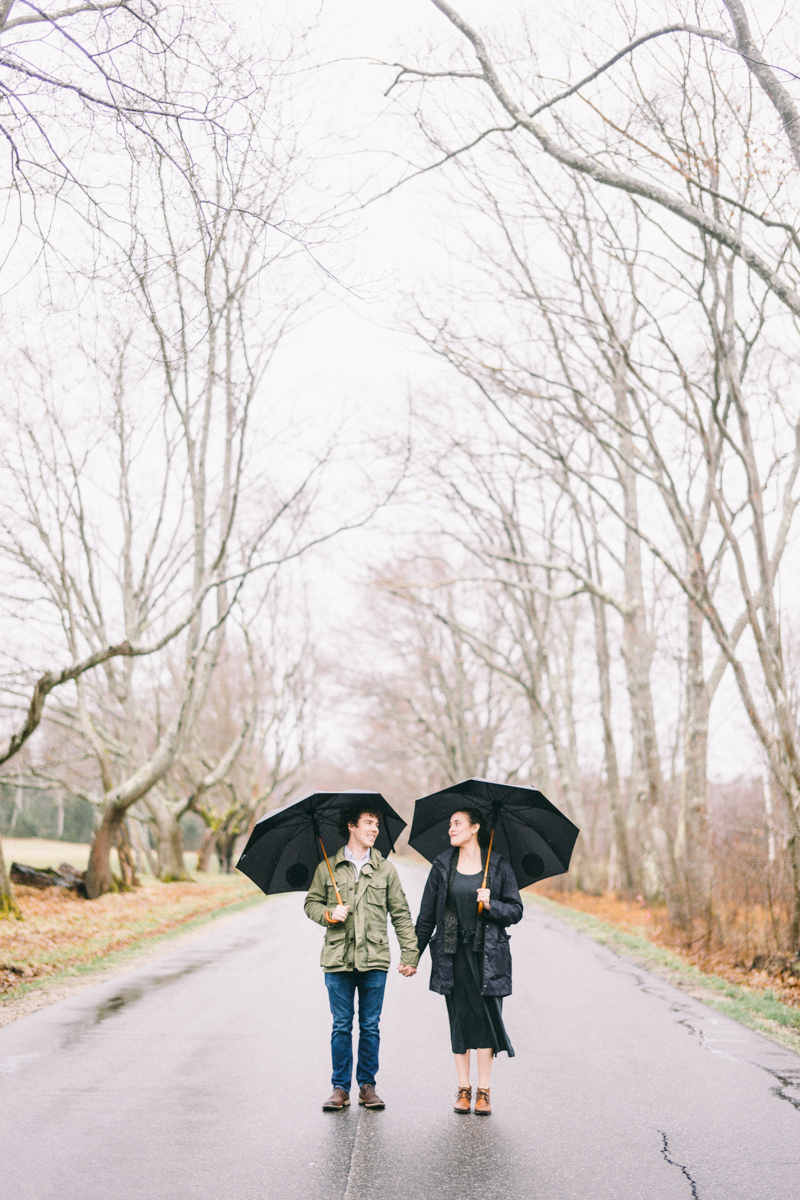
pixel 367 828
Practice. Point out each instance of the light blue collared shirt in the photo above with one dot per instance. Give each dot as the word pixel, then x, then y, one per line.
pixel 358 863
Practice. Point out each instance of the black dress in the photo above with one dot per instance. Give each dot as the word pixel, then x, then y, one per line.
pixel 476 1021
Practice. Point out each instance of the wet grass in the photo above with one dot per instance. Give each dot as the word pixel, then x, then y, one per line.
pixel 759 1009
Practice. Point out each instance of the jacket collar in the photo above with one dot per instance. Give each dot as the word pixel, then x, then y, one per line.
pixel 374 861
pixel 443 861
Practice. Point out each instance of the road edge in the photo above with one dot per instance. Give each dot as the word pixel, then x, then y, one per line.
pixel 759 1011
pixel 41 993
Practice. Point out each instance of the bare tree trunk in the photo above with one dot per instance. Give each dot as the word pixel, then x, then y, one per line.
pixel 619 831
pixel 169 847
pixel 692 849
pixel 225 846
pixel 793 850
pixel 99 876
pixel 127 863
pixel 206 850
pixel 8 905
pixel 637 652
pixel 140 839
pixel 541 761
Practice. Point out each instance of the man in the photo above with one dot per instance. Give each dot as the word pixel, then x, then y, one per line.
pixel 355 956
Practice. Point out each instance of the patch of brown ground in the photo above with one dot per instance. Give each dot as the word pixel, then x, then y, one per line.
pixel 61 932
pixel 651 921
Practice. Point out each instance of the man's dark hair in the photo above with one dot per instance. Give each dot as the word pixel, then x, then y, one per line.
pixel 353 814
pixel 476 818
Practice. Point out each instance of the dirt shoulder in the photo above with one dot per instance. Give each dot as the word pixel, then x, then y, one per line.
pixel 65 944
pixel 759 1003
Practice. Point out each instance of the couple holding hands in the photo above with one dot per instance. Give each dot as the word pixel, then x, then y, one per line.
pixel 464 923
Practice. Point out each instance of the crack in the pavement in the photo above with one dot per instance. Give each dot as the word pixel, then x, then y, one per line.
pixel 680 1166
pixel 785 1082
pixel 704 1041
pixel 348 1194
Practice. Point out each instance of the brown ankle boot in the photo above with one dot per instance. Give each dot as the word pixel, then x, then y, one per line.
pixel 339 1100
pixel 482 1106
pixel 369 1097
pixel 463 1100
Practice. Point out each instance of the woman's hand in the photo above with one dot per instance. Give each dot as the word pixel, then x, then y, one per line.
pixel 406 970
pixel 484 896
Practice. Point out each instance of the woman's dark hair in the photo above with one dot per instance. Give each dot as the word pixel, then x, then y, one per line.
pixel 476 818
pixel 352 815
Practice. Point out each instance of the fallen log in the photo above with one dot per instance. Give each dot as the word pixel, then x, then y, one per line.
pixel 45 877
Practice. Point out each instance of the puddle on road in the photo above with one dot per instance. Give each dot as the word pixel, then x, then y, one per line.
pixel 126 996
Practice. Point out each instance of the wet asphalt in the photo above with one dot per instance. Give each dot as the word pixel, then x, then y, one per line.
pixel 201 1076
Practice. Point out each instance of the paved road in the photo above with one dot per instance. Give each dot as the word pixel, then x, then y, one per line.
pixel 201 1076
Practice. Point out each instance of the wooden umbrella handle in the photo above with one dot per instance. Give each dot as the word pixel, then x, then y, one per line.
pixel 333 881
pixel 486 872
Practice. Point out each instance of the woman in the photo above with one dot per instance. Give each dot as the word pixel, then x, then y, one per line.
pixel 469 951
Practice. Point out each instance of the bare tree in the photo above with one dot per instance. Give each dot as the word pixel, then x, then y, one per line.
pixel 438 709
pixel 685 359
pixel 75 82
pixel 87 87
pixel 196 261
pixel 603 148
pixel 283 679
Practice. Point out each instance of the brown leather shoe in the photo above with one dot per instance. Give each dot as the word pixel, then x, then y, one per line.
pixel 339 1100
pixel 482 1106
pixel 369 1097
pixel 463 1102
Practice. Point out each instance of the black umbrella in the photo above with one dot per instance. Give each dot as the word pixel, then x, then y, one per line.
pixel 286 846
pixel 533 835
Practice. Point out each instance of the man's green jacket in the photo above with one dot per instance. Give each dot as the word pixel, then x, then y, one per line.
pixel 361 943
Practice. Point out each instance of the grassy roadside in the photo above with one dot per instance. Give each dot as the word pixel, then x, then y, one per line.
pixel 759 1009
pixel 63 937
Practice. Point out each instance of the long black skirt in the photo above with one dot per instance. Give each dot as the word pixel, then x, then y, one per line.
pixel 476 1021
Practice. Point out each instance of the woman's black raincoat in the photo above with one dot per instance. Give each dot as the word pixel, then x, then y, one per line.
pixel 438 913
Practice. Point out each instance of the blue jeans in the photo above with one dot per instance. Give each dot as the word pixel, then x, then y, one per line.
pixel 342 987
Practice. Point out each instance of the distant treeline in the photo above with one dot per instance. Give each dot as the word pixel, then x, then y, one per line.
pixel 42 814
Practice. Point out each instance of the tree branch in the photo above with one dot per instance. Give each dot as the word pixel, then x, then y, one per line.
pixel 690 213
pixel 57 16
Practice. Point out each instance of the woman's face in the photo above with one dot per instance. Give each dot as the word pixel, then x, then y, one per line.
pixel 461 831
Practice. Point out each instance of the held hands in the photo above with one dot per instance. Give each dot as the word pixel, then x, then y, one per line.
pixel 484 896
pixel 404 969
pixel 338 914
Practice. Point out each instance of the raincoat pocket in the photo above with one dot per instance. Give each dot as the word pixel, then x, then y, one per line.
pixel 333 949
pixel 375 895
pixel 378 957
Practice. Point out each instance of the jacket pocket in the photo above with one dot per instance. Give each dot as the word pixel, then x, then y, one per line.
pixel 376 895
pixel 333 949
pixel 378 956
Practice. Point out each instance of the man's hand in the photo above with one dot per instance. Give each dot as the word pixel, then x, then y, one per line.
pixel 404 969
pixel 484 896
pixel 338 914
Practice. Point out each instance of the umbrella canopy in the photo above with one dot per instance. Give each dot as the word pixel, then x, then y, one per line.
pixel 535 838
pixel 284 850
